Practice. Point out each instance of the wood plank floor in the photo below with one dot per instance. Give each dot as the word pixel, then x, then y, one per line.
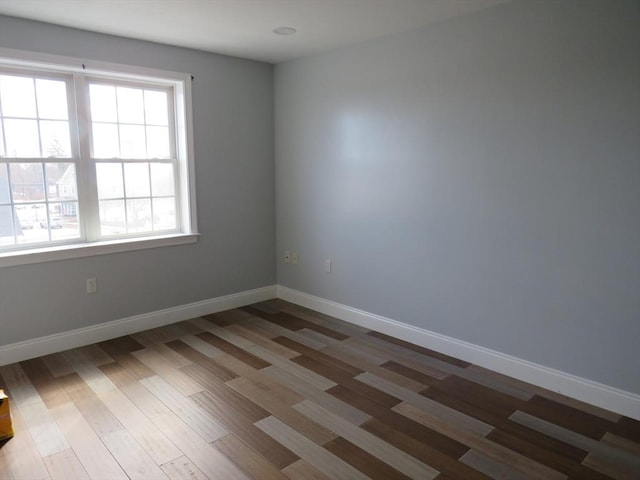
pixel 276 391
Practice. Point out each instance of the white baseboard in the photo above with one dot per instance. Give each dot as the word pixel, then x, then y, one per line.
pixel 604 396
pixel 610 398
pixel 16 352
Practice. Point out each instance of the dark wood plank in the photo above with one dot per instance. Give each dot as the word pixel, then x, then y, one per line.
pixel 567 417
pixel 202 360
pixel 392 419
pixel 233 350
pixel 423 451
pixel 319 356
pixel 628 428
pixel 120 345
pixel 344 378
pixel 362 460
pixel 547 456
pixel 248 459
pixel 245 430
pixel 294 323
pixel 428 380
pixel 225 393
pixel 422 350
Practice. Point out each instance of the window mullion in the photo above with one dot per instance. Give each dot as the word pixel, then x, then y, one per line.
pixel 87 184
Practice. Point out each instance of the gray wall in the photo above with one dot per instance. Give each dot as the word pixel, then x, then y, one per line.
pixel 233 119
pixel 479 178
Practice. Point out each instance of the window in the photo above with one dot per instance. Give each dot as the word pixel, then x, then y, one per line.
pixel 92 157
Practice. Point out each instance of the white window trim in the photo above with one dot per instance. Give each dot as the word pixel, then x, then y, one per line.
pixel 184 148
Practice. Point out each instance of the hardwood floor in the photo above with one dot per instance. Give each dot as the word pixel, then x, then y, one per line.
pixel 276 391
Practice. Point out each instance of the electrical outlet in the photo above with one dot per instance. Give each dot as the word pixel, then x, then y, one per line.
pixel 327 266
pixel 294 258
pixel 287 256
pixel 92 285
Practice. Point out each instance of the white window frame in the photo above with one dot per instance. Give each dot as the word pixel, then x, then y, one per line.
pixel 185 194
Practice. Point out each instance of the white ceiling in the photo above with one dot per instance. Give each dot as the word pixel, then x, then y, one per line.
pixel 244 28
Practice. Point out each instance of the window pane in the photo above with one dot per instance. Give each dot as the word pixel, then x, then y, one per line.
pixel 27 182
pixel 158 142
pixel 109 177
pixel 61 181
pixel 155 108
pixel 33 223
pixel 103 103
pixel 63 224
pixel 69 210
pixel 5 197
pixel 132 141
pixel 17 96
pixel 162 182
pixel 32 214
pixel 130 105
pixel 6 225
pixel 136 179
pixel 55 139
pixel 112 218
pixel 164 213
pixel 105 140
pixel 52 99
pixel 22 138
pixel 139 215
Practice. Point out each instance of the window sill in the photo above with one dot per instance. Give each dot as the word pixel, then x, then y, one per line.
pixel 66 252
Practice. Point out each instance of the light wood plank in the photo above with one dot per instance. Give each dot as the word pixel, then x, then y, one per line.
pixel 315 455
pixel 148 436
pixel 502 454
pixel 257 339
pixel 627 460
pixel 549 394
pixel 241 427
pixel 131 457
pixel 255 465
pixel 202 453
pixel 94 411
pixel 379 348
pixel 91 452
pixel 201 346
pixel 620 442
pixel 319 396
pixel 44 430
pixel 168 370
pixel 452 416
pixel 302 470
pixel 195 417
pixel 85 363
pixel 491 467
pixel 19 456
pixel 183 469
pixel 270 400
pixel 380 449
pixel 65 466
